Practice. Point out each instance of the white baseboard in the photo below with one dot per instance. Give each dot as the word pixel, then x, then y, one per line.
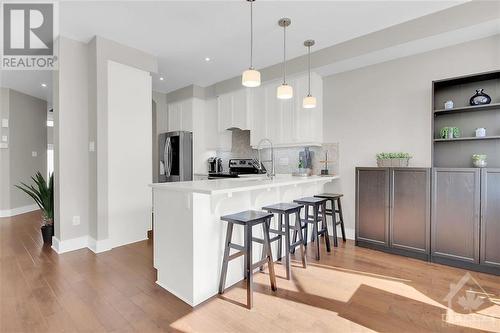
pixel 18 210
pixel 98 246
pixel 69 244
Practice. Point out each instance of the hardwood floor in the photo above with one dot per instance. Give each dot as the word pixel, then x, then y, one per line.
pixel 350 289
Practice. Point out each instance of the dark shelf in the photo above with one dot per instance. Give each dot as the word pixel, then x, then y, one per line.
pixel 468 109
pixel 472 138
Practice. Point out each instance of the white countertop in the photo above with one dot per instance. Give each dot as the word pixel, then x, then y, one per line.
pixel 230 185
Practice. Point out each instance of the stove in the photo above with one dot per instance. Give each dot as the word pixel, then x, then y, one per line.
pixel 240 166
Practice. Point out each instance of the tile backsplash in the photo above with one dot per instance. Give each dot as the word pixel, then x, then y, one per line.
pixel 286 159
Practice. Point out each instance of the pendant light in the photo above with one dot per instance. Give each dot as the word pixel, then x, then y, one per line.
pixel 251 78
pixel 309 102
pixel 284 91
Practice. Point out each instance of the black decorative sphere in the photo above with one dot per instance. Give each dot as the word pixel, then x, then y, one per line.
pixel 480 98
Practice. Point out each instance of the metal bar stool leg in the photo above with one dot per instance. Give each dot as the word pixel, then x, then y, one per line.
pixel 287 247
pixel 267 243
pixel 325 228
pixel 341 219
pixel 248 265
pixel 315 230
pixel 225 260
pixel 334 224
pixel 298 227
pixel 306 227
pixel 280 240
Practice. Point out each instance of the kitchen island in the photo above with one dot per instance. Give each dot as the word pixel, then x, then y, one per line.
pixel 189 236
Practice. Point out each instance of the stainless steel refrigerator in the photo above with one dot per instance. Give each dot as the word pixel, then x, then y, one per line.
pixel 176 156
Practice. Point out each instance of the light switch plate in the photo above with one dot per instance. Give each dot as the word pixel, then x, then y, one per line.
pixel 76 220
pixel 91 146
pixel 34 154
pixel 5 122
pixel 4 138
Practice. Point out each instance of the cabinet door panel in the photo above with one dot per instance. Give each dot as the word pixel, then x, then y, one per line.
pixel 240 109
pixel 490 217
pixel 174 117
pixel 410 214
pixel 372 205
pixel 455 214
pixel 225 111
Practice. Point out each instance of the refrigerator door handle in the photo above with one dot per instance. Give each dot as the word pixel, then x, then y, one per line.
pixel 170 155
pixel 166 154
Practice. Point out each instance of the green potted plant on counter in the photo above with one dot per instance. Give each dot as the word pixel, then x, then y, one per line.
pixel 43 194
pixel 393 159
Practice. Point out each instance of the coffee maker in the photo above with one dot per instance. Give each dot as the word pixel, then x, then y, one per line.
pixel 215 165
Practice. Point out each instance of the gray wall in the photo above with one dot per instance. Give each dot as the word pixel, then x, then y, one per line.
pixel 391 107
pixel 4 154
pixel 101 51
pixel 70 140
pixel 27 134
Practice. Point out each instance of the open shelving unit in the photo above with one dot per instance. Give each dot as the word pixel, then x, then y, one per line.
pixel 457 152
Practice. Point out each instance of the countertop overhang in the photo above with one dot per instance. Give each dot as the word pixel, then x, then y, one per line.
pixel 221 186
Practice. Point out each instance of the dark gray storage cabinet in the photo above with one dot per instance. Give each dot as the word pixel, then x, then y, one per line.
pixel 455 215
pixel 410 209
pixel 393 210
pixel 490 218
pixel 372 206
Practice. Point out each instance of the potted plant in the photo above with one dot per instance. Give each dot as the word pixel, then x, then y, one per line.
pixel 43 194
pixel 393 159
pixel 479 160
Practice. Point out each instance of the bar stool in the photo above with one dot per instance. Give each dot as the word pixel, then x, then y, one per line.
pixel 318 205
pixel 335 198
pixel 247 219
pixel 285 210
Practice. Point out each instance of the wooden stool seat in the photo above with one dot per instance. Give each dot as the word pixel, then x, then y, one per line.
pixel 284 210
pixel 335 198
pixel 248 216
pixel 248 219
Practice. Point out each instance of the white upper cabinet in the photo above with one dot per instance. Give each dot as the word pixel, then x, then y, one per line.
pixel 286 122
pixel 180 115
pixel 235 109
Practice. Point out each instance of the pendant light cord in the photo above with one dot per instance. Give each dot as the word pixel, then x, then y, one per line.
pixel 284 54
pixel 251 35
pixel 309 70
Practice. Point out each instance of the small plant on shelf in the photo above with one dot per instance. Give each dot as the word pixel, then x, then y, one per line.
pixel 479 160
pixel 393 159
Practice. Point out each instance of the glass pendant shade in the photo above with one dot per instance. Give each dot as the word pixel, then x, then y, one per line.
pixel 309 102
pixel 284 91
pixel 250 78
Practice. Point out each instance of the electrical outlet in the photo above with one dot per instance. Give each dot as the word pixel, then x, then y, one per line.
pixel 4 138
pixel 284 161
pixel 91 146
pixel 5 123
pixel 34 154
pixel 76 220
pixel 4 145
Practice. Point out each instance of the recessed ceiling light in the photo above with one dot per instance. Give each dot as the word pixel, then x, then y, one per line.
pixel 44 85
pixel 162 78
pixel 207 59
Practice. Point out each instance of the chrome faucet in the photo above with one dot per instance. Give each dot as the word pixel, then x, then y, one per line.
pixel 272 173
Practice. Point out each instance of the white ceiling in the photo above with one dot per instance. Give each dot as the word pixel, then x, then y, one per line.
pixel 182 33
